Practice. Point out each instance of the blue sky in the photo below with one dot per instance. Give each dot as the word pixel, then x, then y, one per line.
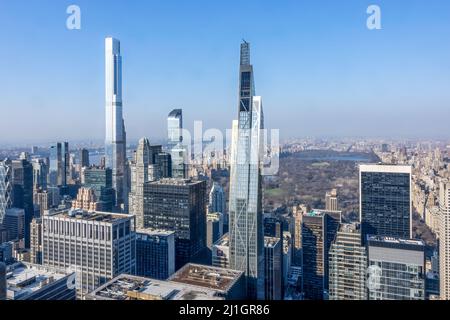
pixel 320 71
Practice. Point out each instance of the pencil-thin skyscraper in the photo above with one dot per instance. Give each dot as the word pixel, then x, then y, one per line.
pixel 246 227
pixel 115 142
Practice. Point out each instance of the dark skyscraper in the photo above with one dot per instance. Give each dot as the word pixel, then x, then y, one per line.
pixel 246 220
pixel 273 261
pixel 178 205
pixel 59 164
pixel 22 192
pixel 385 200
pixel 84 157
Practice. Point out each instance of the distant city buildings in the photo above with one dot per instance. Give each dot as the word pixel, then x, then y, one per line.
pixel 221 252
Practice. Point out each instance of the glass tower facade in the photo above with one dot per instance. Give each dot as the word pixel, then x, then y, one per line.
pixel 246 225
pixel 115 140
pixel 385 200
pixel 5 189
pixel 175 143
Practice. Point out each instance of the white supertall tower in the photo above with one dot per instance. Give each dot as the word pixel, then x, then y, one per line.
pixel 115 139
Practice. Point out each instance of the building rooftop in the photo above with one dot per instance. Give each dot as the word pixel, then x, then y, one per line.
pixel 382 239
pixel 155 232
pixel 24 279
pixel 174 182
pixel 210 277
pixel 128 287
pixel 88 215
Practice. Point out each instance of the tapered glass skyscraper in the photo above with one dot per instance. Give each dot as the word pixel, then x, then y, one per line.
pixel 246 227
pixel 115 140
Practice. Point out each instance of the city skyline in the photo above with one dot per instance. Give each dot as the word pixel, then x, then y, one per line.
pixel 338 73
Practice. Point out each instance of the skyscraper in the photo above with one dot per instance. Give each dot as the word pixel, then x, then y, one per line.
pixel 246 220
pixel 175 143
pixel 100 180
pixel 331 200
pixel 385 200
pixel 444 239
pixel 5 188
pixel 139 175
pixel 155 253
pixel 319 228
pixel 347 265
pixel 178 205
pixel 217 199
pixel 396 268
pixel 115 139
pixel 40 174
pixel 273 260
pixel 98 246
pixel 59 164
pixel 84 157
pixel 22 192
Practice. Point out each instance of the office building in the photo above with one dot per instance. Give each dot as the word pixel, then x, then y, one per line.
pixel 164 162
pixel 221 252
pixel 273 227
pixel 34 282
pixel 319 228
pixel 14 222
pixel 99 179
pixel 348 265
pixel 6 252
pixel 245 204
pixel 287 258
pixel 44 200
pixel 2 281
pixel 155 253
pixel 331 201
pixel 115 138
pixel 175 143
pixel 40 173
pixel 36 241
pixel 273 255
pixel 84 157
pixel 396 269
pixel 59 168
pixel 22 192
pixel 87 200
pixel 444 239
pixel 97 245
pixel 5 188
pixel 217 199
pixel 214 228
pixel 139 175
pixel 178 205
pixel 385 200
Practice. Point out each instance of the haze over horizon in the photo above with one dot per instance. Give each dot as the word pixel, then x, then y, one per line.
pixel 319 70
